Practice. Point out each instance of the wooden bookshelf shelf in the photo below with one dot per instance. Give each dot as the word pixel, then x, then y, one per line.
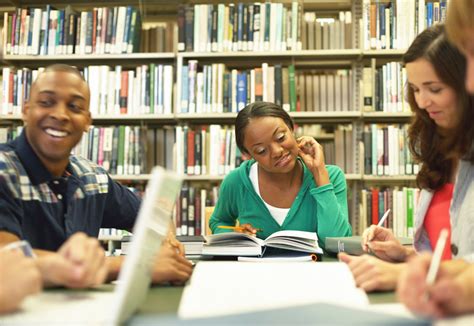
pixel 389 53
pixel 333 115
pixel 131 177
pixel 168 118
pixel 377 116
pixel 10 117
pixel 164 118
pixel 313 54
pixel 131 58
pixel 146 177
pixel 383 178
pixel 336 116
pixel 353 176
pixel 123 56
pixel 206 116
pixel 204 177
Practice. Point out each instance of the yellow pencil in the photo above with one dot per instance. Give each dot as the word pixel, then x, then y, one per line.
pixel 235 228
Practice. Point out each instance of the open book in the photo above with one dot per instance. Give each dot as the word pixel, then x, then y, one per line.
pixel 240 244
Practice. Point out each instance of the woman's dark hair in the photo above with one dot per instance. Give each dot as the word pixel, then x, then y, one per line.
pixel 258 110
pixel 430 146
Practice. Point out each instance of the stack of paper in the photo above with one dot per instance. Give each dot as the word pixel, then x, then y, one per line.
pixel 223 288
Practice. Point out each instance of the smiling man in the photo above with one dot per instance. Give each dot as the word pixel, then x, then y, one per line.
pixel 48 195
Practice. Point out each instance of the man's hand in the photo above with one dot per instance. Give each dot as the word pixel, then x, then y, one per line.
pixel 371 273
pixel 79 263
pixel 173 242
pixel 19 277
pixel 171 266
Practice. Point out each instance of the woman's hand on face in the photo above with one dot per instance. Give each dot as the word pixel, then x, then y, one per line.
pixel 313 156
pixel 311 152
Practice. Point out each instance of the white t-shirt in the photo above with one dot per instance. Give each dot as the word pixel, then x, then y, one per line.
pixel 279 214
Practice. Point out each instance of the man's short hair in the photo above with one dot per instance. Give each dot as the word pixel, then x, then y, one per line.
pixel 60 67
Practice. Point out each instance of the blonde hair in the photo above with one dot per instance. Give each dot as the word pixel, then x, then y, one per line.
pixel 460 16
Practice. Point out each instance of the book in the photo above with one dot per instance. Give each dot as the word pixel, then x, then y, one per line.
pixel 241 244
pixel 353 245
pixel 281 257
pixel 192 244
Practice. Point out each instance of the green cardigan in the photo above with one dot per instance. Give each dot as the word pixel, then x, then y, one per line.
pixel 316 209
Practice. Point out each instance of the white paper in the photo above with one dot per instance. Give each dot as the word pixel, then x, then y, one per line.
pixel 66 307
pixel 223 288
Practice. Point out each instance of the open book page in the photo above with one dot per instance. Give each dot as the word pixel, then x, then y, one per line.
pixel 303 257
pixel 232 244
pixel 240 244
pixel 294 240
pixel 223 288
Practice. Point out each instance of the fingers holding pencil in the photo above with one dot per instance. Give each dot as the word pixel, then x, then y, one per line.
pixel 243 228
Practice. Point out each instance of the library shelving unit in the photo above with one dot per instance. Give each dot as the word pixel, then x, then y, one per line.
pixel 355 61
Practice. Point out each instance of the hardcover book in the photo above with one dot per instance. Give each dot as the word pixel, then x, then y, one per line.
pixel 353 245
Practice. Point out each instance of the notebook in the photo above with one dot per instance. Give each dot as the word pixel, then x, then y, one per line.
pixel 111 308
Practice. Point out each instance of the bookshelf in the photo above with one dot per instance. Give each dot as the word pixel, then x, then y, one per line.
pixel 312 62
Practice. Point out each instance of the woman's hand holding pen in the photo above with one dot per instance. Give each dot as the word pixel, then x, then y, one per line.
pixel 313 156
pixel 449 295
pixel 243 228
pixel 383 244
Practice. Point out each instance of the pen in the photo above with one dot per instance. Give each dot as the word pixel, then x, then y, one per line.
pixel 22 245
pixel 235 228
pixel 384 217
pixel 438 252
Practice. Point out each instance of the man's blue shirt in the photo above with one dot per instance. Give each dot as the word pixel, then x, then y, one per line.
pixel 45 210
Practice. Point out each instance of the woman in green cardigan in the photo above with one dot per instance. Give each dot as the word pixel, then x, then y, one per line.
pixel 285 186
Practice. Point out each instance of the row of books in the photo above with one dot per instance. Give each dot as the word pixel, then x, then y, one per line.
pixel 384 88
pixel 402 203
pixel 15 90
pixel 386 150
pixel 211 149
pixel 214 88
pixel 394 24
pixel 206 150
pixel 120 149
pixel 324 90
pixel 239 27
pixel 145 90
pixel 9 133
pixel 158 37
pixel 51 31
pixel 327 33
pixel 193 209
